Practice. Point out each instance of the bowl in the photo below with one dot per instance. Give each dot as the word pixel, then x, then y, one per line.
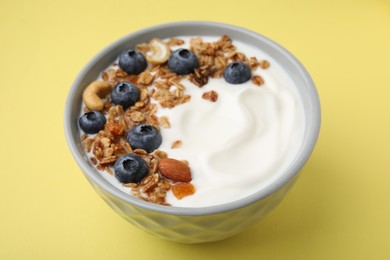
pixel 204 224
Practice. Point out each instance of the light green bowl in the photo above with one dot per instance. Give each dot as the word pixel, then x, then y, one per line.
pixel 194 225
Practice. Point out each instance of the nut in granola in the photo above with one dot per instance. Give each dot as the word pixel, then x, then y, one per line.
pixel 160 52
pixel 174 170
pixel 211 96
pixel 93 94
pixel 257 80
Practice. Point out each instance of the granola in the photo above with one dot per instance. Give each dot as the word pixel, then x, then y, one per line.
pixel 257 80
pixel 176 144
pixel 211 96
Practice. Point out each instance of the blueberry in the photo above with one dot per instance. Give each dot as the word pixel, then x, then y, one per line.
pixel 237 73
pixel 144 137
pixel 130 168
pixel 125 94
pixel 132 62
pixel 183 61
pixel 92 122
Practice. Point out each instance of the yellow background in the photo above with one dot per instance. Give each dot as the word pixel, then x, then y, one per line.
pixel 339 208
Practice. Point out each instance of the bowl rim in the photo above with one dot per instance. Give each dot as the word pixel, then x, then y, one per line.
pixel 287 176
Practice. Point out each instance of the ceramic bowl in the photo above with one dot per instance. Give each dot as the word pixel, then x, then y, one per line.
pixel 194 225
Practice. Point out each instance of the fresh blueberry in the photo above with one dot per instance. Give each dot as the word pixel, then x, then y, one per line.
pixel 125 94
pixel 92 122
pixel 237 73
pixel 183 61
pixel 132 62
pixel 130 168
pixel 144 137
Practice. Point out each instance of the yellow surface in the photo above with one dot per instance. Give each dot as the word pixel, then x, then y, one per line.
pixel 339 208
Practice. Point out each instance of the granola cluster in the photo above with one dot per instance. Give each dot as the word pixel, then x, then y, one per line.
pixel 158 83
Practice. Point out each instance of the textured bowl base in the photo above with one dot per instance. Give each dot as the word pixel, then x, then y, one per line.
pixel 194 229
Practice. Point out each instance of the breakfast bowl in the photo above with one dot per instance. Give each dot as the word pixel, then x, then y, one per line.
pixel 203 223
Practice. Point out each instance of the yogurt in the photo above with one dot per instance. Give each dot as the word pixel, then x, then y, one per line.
pixel 239 144
pixel 242 142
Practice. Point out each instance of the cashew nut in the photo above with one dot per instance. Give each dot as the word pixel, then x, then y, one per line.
pixel 94 93
pixel 160 52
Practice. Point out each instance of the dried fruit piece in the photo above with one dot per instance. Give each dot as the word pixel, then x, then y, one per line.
pixel 174 170
pixel 182 190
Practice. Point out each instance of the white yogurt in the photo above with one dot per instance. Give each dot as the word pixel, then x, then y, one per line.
pixel 239 144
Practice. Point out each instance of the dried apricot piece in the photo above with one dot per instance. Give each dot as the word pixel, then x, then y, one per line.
pixel 182 190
